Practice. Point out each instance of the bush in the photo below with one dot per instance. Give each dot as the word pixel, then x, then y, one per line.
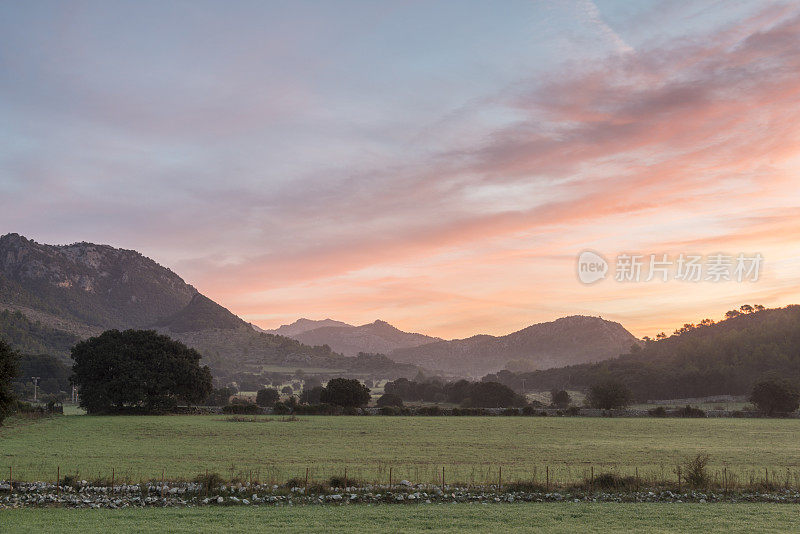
pixel 658 411
pixel 573 411
pixel 510 411
pixel 389 399
pixel 209 481
pixel 560 398
pixel 242 409
pixel 281 408
pixel 429 410
pixel 267 397
pixel 694 471
pixel 775 396
pixel 610 481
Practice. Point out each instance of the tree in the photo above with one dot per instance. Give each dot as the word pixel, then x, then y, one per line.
pixel 8 370
pixel 138 370
pixel 312 395
pixel 492 395
pixel 345 392
pixel 609 395
pixel 775 396
pixel 267 397
pixel 387 399
pixel 560 398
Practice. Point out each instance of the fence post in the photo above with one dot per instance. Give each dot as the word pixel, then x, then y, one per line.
pixel 390 478
pixel 10 481
pixel 725 478
pixel 306 486
pixel 345 477
pixel 637 478
pixel 679 478
pixel 547 477
pixel 58 480
pixel 442 478
pixel 591 483
pixel 500 479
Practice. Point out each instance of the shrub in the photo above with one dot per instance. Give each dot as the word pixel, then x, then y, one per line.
pixel 694 471
pixel 560 398
pixel 573 411
pixel 281 408
pixel 340 482
pixel 528 410
pixel 429 410
pixel 510 411
pixel 610 481
pixel 658 411
pixel 209 481
pixel 388 399
pixel 267 397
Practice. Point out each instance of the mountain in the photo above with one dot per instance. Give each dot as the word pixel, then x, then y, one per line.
pixel 706 359
pixel 378 337
pixel 303 325
pixel 96 286
pixel 54 295
pixel 566 341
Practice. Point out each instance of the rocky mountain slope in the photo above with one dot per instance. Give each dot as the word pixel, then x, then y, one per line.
pixel 53 295
pixel 566 341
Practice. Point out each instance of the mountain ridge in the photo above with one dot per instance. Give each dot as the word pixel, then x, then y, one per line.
pixel 564 341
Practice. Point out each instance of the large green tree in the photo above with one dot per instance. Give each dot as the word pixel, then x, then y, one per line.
pixel 345 392
pixel 8 370
pixel 137 370
pixel 775 396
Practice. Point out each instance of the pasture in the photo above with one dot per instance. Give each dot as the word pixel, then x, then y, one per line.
pixel 553 517
pixel 471 449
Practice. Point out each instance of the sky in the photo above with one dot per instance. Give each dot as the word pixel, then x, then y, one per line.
pixel 436 164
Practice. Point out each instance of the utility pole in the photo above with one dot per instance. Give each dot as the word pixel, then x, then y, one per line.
pixel 35 387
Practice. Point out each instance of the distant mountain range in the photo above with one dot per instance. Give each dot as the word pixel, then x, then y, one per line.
pixel 54 295
pixel 376 337
pixel 566 341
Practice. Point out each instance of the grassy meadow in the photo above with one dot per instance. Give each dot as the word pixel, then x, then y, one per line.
pixel 472 449
pixel 551 517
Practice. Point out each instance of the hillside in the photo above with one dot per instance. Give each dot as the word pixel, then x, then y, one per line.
pixel 723 358
pixel 377 337
pixel 53 295
pixel 565 341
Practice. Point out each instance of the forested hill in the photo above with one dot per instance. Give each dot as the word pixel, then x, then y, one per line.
pixel 31 337
pixel 698 360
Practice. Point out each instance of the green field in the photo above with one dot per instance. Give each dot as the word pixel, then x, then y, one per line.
pixel 416 448
pixel 560 517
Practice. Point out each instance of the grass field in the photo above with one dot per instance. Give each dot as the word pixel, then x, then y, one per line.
pixel 470 448
pixel 560 517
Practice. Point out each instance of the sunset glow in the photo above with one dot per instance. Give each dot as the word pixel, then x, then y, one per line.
pixel 437 165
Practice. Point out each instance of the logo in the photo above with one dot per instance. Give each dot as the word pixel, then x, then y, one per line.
pixel 591 267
